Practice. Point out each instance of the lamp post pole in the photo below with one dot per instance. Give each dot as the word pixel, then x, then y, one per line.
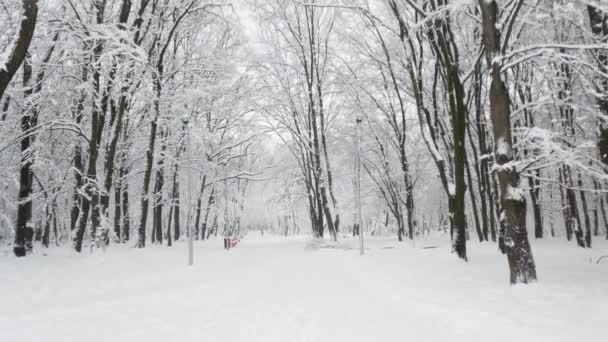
pixel 188 180
pixel 358 182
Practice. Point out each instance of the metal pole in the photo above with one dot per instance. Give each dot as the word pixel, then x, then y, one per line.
pixel 190 237
pixel 227 232
pixel 358 184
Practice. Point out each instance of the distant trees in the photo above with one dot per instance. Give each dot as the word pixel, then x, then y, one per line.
pixel 299 64
pixel 113 69
pixel 471 111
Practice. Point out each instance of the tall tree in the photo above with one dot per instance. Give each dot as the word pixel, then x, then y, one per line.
pixel 513 204
pixel 8 68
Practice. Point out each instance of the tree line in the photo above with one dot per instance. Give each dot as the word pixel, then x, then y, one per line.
pixel 493 112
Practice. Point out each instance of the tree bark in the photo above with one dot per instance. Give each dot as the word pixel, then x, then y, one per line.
pixel 210 202
pixel 585 212
pixel 17 52
pixel 513 203
pixel 157 222
pixel 24 229
pixel 199 205
pixel 91 199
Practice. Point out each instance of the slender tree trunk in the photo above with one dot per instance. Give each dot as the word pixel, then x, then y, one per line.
pixel 141 232
pixel 126 219
pixel 566 212
pixel 175 206
pixel 157 223
pixel 210 202
pixel 536 205
pixel 199 205
pixel 78 158
pixel 596 205
pixel 117 208
pixel 48 217
pixel 478 228
pixel 493 204
pixel 585 212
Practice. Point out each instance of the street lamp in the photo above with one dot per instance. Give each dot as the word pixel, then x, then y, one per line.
pixel 358 181
pixel 185 121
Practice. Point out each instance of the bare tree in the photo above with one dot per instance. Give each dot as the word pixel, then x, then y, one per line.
pixel 513 204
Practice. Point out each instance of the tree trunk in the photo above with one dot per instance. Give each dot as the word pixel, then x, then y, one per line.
pixel 585 212
pixel 575 219
pixel 565 205
pixel 117 209
pixel 598 20
pixel 459 127
pixel 210 202
pixel 536 205
pixel 474 202
pixel 199 205
pixel 16 56
pixel 17 52
pixel 78 159
pixel 141 231
pixel 91 199
pixel 176 204
pixel 157 222
pixel 5 108
pixel 126 219
pixel 513 203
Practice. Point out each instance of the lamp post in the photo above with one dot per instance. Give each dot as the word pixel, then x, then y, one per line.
pixel 186 122
pixel 358 182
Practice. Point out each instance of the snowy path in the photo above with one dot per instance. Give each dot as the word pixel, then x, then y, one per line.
pixel 279 290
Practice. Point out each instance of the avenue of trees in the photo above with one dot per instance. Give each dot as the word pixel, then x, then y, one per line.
pixel 126 121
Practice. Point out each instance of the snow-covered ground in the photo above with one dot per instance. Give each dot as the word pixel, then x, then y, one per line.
pixel 277 289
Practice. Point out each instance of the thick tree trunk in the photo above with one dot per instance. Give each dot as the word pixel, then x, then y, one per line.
pixel 24 229
pixel 513 203
pixel 459 128
pixel 598 20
